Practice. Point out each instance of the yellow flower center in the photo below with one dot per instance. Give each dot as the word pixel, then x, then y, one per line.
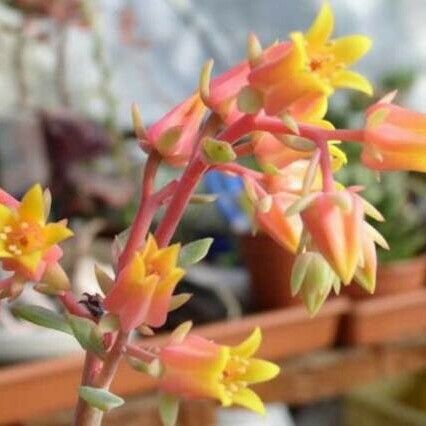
pixel 324 63
pixel 22 237
pixel 233 374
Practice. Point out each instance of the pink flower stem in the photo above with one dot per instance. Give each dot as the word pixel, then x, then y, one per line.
pixel 140 353
pixel 162 195
pixel 348 135
pixel 145 213
pixel 239 128
pixel 106 375
pixel 239 170
pixel 192 176
pixel 96 373
pixel 325 164
pixel 70 303
pixel 176 208
pixel 85 415
pixel 275 125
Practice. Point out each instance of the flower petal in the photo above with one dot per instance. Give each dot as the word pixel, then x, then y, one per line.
pixel 30 261
pixel 249 399
pixel 54 233
pixel 322 27
pixel 259 371
pixel 349 49
pixel 352 80
pixel 32 205
pixel 249 346
pixel 5 216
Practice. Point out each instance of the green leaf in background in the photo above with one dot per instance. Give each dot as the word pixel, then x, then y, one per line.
pixel 87 334
pixel 100 398
pixel 193 252
pixel 169 409
pixel 42 317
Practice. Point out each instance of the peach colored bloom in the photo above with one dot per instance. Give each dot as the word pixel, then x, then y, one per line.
pixel 143 290
pixel 174 135
pixel 334 221
pixel 199 368
pixel 394 138
pixel 310 64
pixel 224 90
pixel 27 243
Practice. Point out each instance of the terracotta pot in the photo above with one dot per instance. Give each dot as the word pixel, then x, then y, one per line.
pixel 270 267
pixel 394 278
pixel 386 318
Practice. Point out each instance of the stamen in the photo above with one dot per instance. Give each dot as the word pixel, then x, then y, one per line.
pixel 232 387
pixel 25 225
pixel 3 236
pixel 7 229
pixel 241 370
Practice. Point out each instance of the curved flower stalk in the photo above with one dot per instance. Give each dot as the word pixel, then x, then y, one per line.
pixel 198 368
pixel 273 155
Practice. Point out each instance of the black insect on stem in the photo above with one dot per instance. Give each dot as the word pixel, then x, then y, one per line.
pixel 94 304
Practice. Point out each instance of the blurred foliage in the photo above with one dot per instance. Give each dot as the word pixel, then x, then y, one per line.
pixel 400 196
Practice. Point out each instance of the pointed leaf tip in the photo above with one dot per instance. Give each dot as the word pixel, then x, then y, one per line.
pixel 100 398
pixel 169 409
pixel 42 317
pixel 217 151
pixel 204 82
pixel 194 252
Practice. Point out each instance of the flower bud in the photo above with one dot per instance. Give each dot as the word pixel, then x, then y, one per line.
pixel 313 278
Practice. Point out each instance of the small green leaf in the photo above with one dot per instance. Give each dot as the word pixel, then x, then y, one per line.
pixel 250 100
pixel 43 317
pixel 298 272
pixel 121 238
pixel 153 368
pixel 87 334
pixel 179 333
pixel 179 300
pixel 104 280
pixel 100 398
pixel 301 204
pixel 195 251
pixel 169 409
pixel 108 323
pixel 168 140
pixel 203 198
pixel 218 152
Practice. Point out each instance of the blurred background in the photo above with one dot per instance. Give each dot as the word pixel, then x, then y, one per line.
pixel 69 72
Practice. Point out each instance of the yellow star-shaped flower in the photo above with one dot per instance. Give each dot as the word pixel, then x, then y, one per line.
pixel 24 234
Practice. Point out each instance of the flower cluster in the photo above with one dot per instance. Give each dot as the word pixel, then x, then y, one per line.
pixel 271 107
